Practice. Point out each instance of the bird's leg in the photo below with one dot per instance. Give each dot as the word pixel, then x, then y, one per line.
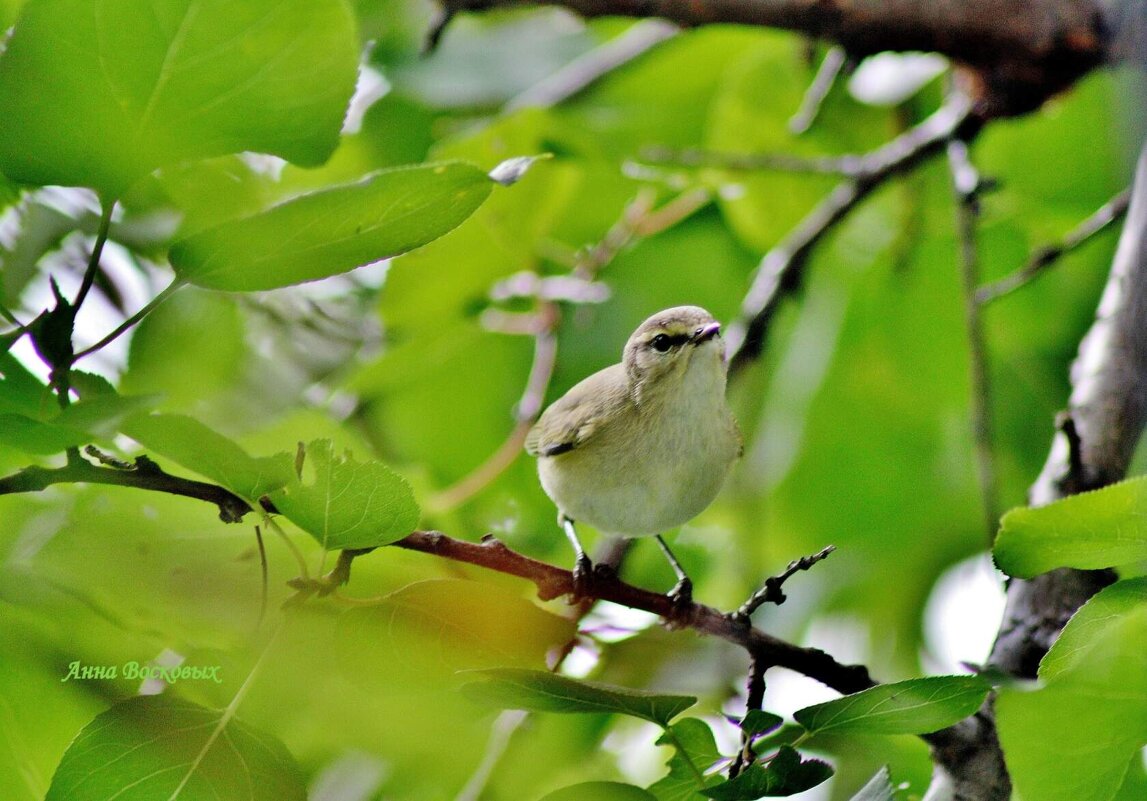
pixel 682 592
pixel 583 566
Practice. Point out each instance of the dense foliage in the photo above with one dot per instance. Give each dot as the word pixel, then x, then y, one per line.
pixel 355 314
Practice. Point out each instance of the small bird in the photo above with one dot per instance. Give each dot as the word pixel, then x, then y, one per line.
pixel 642 446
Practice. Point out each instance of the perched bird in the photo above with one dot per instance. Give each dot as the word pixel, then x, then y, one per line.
pixel 642 446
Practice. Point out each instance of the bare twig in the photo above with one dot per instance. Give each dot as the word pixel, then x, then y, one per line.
pixel 1043 258
pixel 578 74
pixel 830 67
pixel 847 166
pixel 97 251
pixel 771 592
pixel 782 268
pixel 754 700
pixel 967 184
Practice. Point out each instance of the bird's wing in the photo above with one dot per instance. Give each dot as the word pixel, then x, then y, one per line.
pixel 572 420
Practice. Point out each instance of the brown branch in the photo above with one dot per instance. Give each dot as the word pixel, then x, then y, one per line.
pixel 553 582
pixel 781 271
pixel 1023 51
pixel 144 474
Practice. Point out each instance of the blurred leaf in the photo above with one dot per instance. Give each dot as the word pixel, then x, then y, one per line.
pixel 167 354
pixel 347 504
pixel 600 791
pixel 1090 623
pixel 879 788
pixel 193 445
pixel 333 230
pixel 153 747
pixel 785 774
pixel 176 81
pixel 1075 738
pixel 21 391
pixel 758 722
pixel 84 421
pixel 915 706
pixel 452 625
pixel 541 691
pixel 695 752
pixel 1102 528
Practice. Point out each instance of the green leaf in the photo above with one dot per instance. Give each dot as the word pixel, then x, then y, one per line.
pixel 82 422
pixel 785 774
pixel 188 442
pixel 21 391
pixel 878 788
pixel 101 93
pixel 347 504
pixel 695 751
pixel 541 691
pixel 758 722
pixel 1089 624
pixel 160 747
pixel 600 791
pixel 1104 528
pixel 915 706
pixel 453 624
pixel 1074 739
pixel 334 230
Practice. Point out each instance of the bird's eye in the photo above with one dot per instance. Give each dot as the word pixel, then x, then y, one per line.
pixel 663 342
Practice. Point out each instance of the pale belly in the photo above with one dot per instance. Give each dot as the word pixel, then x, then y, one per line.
pixel 621 492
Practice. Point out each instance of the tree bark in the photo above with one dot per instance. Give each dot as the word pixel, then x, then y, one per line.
pixel 1020 51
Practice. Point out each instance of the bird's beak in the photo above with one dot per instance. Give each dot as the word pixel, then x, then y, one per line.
pixel 707 332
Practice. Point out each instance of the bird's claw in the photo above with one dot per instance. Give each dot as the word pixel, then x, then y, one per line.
pixel 682 594
pixel 583 576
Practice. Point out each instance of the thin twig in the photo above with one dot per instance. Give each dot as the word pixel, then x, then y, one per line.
pixel 967 185
pixel 782 268
pixel 1043 258
pixel 584 70
pixel 147 309
pixel 754 700
pixel 847 166
pixel 830 67
pixel 97 252
pixel 772 591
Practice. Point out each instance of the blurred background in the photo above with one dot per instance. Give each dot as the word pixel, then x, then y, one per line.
pixel 857 415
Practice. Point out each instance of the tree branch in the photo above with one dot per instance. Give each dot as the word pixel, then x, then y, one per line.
pixel 143 474
pixel 1092 447
pixel 1022 51
pixel 1043 258
pixel 553 582
pixel 782 268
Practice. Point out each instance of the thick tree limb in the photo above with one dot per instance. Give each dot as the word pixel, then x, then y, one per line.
pixel 1093 447
pixel 1023 50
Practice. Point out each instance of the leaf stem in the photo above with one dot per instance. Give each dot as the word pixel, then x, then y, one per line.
pixel 151 305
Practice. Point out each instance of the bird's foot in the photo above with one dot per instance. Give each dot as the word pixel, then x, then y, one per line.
pixel 583 577
pixel 682 595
